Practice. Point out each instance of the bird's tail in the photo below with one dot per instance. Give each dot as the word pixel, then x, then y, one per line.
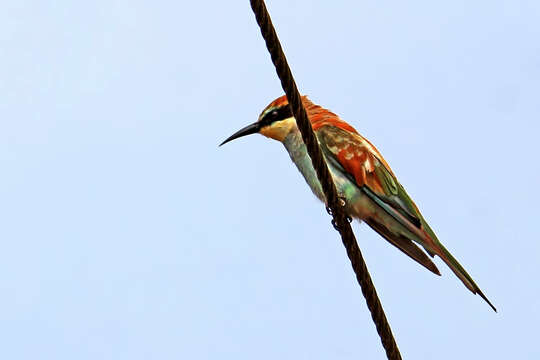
pixel 453 264
pixel 398 226
pixel 404 244
pixel 462 274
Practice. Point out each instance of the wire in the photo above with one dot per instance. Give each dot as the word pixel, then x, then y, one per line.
pixel 334 203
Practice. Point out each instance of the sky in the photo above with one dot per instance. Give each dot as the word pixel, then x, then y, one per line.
pixel 127 233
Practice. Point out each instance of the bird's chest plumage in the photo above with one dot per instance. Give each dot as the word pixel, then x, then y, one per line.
pixel 346 188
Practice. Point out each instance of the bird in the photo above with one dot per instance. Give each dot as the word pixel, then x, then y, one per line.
pixel 363 179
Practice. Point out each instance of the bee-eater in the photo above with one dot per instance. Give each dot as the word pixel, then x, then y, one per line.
pixel 363 178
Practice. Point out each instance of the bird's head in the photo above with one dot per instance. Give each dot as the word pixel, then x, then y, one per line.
pixel 276 121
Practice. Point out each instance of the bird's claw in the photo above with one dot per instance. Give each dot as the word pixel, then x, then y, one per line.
pixel 329 210
pixel 336 226
pixel 341 201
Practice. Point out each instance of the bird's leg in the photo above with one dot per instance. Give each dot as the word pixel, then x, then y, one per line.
pixel 342 202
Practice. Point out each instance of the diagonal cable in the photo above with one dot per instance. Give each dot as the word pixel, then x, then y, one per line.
pixel 340 219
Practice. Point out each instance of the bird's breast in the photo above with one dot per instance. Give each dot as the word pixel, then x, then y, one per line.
pixel 346 188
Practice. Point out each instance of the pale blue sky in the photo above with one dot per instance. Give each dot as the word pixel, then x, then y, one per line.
pixel 127 233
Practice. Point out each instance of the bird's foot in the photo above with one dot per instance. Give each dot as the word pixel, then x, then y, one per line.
pixel 341 201
pixel 329 210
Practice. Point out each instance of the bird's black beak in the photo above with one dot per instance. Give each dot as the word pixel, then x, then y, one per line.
pixel 248 130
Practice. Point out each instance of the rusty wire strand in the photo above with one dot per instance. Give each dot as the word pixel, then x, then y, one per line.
pixel 340 218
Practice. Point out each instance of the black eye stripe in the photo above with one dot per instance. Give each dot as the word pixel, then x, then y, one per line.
pixel 277 114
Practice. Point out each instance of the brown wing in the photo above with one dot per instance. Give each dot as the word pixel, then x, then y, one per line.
pixel 365 166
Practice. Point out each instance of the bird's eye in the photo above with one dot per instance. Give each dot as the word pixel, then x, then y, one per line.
pixel 273 116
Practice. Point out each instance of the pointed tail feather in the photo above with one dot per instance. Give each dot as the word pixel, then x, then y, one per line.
pixel 453 264
pixel 424 236
pixel 461 273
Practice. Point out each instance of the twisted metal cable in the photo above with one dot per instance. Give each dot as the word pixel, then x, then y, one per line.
pixel 340 219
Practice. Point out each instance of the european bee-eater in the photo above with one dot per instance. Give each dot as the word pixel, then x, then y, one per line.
pixel 363 178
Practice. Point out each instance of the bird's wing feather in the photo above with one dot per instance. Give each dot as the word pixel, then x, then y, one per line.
pixel 355 155
pixel 360 159
pixel 405 245
pixel 364 165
